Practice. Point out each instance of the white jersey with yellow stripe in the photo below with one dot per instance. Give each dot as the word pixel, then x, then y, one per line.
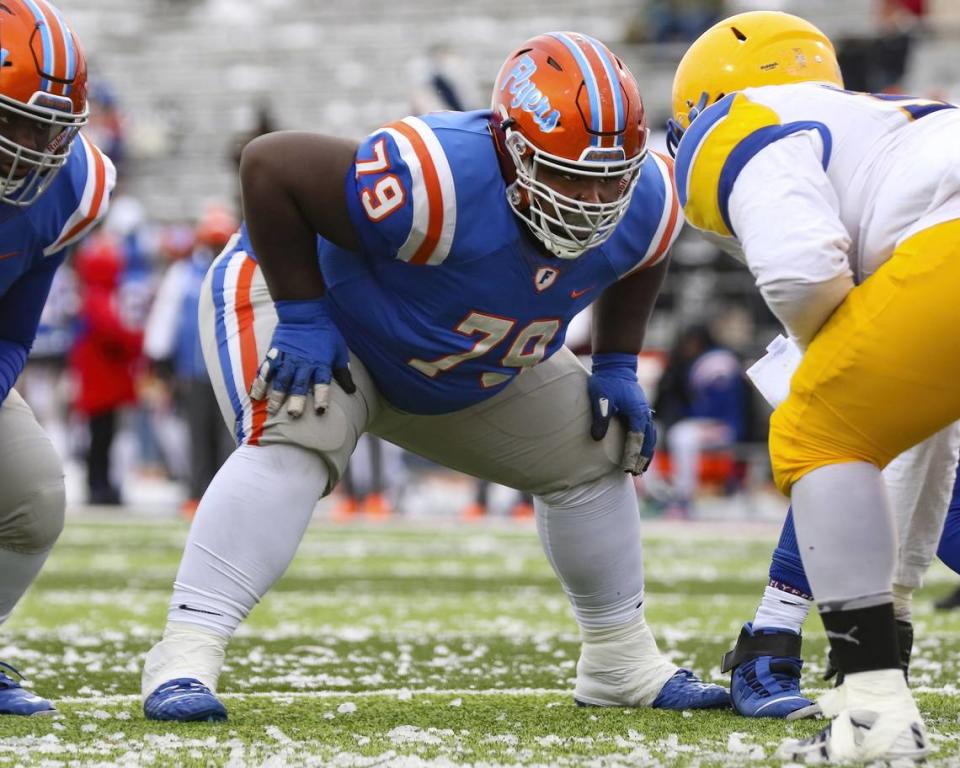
pixel 817 186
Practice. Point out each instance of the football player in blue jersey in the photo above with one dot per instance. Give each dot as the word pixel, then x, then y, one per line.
pixel 430 272
pixel 54 187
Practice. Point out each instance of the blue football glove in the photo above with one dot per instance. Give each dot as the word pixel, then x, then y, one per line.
pixel 305 351
pixel 615 391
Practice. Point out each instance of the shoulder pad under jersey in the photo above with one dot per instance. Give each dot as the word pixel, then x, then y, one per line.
pixel 653 221
pixel 717 146
pixel 77 199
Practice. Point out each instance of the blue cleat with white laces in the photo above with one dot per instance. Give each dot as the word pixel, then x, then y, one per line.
pixel 687 691
pixel 184 700
pixel 17 700
pixel 765 670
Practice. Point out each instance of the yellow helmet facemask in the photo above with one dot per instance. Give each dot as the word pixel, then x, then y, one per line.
pixel 748 50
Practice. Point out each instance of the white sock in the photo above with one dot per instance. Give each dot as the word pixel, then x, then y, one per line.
pixel 591 536
pixel 186 650
pixel 621 666
pixel 19 569
pixel 245 533
pixel 781 610
pixel 902 603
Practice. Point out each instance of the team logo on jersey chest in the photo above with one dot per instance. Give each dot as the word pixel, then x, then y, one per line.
pixel 544 278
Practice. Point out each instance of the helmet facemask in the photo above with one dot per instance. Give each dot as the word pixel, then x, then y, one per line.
pixel 675 129
pixel 568 227
pixel 26 172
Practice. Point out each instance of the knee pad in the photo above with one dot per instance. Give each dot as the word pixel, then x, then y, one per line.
pixel 34 522
pixel 32 495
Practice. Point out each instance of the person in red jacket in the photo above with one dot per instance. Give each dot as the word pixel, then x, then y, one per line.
pixel 103 358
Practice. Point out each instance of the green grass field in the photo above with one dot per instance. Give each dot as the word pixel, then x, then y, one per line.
pixel 410 644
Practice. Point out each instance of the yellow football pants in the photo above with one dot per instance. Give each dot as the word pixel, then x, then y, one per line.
pixel 884 371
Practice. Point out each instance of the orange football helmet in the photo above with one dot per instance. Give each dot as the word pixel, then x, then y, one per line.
pixel 563 101
pixel 43 97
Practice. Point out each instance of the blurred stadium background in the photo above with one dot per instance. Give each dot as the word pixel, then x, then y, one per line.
pixel 421 642
pixel 178 86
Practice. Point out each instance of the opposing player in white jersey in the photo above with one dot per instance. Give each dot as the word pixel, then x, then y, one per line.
pixel 766 663
pixel 53 188
pixel 846 208
pixel 454 249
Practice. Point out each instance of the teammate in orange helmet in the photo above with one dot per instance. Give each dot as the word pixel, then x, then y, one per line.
pixel 54 187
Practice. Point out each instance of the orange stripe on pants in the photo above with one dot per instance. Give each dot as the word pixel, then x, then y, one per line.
pixel 249 357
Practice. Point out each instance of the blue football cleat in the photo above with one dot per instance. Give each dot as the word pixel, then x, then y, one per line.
pixel 184 699
pixel 686 691
pixel 17 700
pixel 765 674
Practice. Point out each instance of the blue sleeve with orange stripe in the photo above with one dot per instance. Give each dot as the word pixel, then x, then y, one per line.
pixel 378 194
pixel 424 188
pixel 718 145
pixel 653 221
pixel 77 199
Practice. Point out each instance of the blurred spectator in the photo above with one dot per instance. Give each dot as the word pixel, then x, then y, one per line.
pixel 443 80
pixel 372 481
pixel 703 403
pixel 950 546
pixel 43 382
pixel 264 122
pixel 106 126
pixel 674 21
pixel 522 508
pixel 172 340
pixel 878 63
pixel 102 358
pixel 898 10
pixel 128 225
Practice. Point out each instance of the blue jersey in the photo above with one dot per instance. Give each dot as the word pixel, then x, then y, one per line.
pixel 449 297
pixel 33 242
pixel 74 202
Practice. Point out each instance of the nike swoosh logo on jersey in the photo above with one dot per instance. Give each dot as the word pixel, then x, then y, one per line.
pixel 8 255
pixel 578 294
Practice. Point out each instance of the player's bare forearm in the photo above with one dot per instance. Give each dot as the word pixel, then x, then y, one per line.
pixel 621 314
pixel 293 190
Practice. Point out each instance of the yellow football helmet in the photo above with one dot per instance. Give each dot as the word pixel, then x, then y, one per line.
pixel 747 51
